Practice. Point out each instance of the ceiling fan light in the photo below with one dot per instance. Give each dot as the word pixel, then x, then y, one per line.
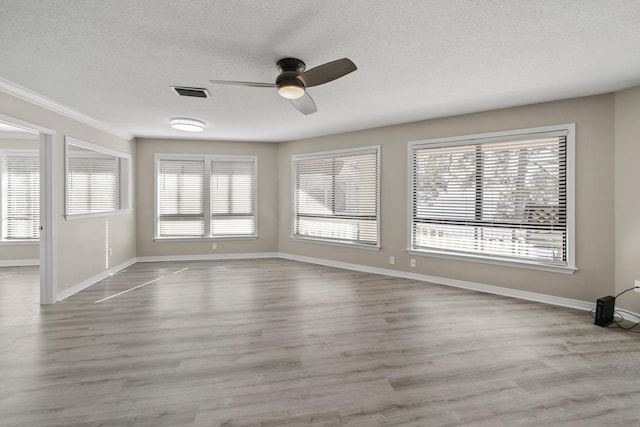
pixel 187 125
pixel 292 89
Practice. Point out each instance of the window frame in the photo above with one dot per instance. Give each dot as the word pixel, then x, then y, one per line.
pixel 475 139
pixel 16 152
pixel 123 185
pixel 334 154
pixel 207 159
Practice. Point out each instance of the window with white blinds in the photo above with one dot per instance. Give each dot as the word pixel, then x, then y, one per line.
pixel 97 179
pixel 20 196
pixel 206 196
pixel 233 194
pixel 336 196
pixel 501 197
pixel 180 198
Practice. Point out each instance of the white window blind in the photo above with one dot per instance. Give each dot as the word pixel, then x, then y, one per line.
pixel 503 198
pixel 336 196
pixel 181 198
pixel 232 198
pixel 92 181
pixel 20 197
pixel 206 196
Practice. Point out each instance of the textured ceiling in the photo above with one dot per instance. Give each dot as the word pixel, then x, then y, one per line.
pixel 114 60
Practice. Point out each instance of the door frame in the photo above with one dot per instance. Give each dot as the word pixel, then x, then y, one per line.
pixel 48 262
pixel 48 187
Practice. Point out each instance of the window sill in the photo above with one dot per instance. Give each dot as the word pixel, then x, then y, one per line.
pixel 97 214
pixel 334 243
pixel 495 261
pixel 19 242
pixel 203 239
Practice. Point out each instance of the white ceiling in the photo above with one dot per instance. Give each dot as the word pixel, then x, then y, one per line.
pixel 114 60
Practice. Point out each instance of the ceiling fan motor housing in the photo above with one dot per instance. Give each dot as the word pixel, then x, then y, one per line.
pixel 289 86
pixel 291 65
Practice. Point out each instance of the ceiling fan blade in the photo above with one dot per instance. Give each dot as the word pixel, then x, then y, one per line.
pixel 305 104
pixel 327 72
pixel 236 83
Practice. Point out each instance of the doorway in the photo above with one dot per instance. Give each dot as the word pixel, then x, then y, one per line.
pixel 26 211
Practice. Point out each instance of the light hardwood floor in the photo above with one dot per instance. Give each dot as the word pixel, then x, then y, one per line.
pixel 282 343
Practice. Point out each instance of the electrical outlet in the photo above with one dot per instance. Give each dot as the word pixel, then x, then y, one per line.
pixel 413 262
pixel 392 260
pixel 214 246
pixel 636 285
pixel 110 251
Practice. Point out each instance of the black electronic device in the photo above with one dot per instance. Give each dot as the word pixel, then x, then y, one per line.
pixel 604 311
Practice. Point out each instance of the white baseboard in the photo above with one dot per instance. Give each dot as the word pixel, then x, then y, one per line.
pixel 628 315
pixel 207 257
pixel 93 280
pixel 19 262
pixel 480 287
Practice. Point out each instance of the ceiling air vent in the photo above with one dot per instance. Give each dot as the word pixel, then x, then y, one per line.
pixel 193 92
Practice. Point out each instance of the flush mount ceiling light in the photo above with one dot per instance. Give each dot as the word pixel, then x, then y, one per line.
pixel 187 125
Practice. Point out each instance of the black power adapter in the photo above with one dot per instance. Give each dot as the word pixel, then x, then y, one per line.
pixel 604 311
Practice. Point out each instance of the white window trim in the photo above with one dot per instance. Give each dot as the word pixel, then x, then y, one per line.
pixel 20 152
pixel 330 154
pixel 125 179
pixel 334 243
pixel 569 128
pixel 207 158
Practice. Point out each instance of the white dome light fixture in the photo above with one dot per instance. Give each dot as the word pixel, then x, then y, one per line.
pixel 186 124
pixel 290 88
pixel 291 92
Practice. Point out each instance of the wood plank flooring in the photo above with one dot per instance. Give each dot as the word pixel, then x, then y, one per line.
pixel 281 343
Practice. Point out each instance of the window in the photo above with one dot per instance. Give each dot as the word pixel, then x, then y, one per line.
pixel 336 197
pixel 20 195
pixel 181 198
pixel 97 179
pixel 205 196
pixel 502 197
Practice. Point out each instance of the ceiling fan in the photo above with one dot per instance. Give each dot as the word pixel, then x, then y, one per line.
pixel 293 80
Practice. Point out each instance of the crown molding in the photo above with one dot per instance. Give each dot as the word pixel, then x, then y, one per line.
pixel 28 95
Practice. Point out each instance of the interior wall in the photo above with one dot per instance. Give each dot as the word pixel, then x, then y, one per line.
pixel 594 121
pixel 19 251
pixel 627 191
pixel 267 208
pixel 81 243
pixel 20 144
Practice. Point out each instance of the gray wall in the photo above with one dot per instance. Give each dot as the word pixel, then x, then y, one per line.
pixel 627 194
pixel 607 129
pixel 80 248
pixel 266 153
pixel 594 121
